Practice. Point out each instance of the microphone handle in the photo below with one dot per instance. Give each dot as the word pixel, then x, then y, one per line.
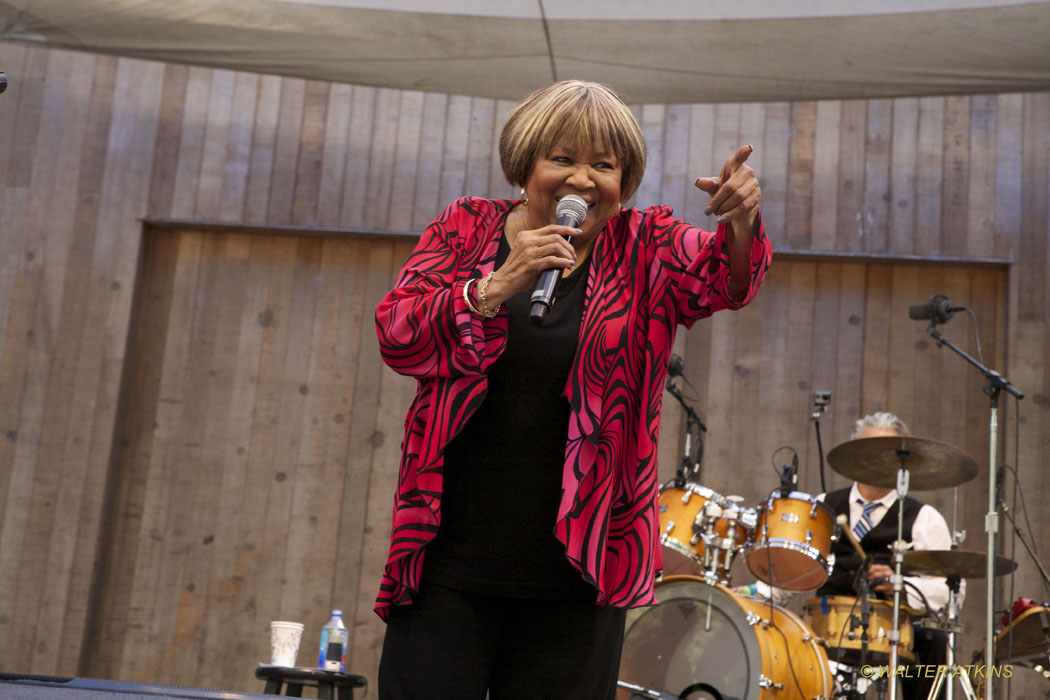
pixel 546 288
pixel 543 294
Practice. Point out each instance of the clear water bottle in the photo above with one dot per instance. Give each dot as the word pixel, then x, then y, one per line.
pixel 332 656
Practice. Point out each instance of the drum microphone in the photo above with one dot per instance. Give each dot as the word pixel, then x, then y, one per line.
pixel 937 309
pixel 789 476
pixel 571 210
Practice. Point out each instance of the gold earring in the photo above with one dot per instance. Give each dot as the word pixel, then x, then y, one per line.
pixel 524 197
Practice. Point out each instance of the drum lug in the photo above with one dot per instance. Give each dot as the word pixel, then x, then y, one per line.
pixel 809 536
pixel 764 682
pixel 753 619
pixel 670 527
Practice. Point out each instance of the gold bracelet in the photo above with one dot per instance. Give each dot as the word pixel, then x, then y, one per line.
pixel 483 297
pixel 466 298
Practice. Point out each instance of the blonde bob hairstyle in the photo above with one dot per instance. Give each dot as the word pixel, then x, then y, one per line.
pixel 581 114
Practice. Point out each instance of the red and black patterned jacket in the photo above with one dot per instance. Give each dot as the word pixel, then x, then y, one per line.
pixel 649 272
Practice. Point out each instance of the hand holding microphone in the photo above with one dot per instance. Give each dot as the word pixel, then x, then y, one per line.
pixel 571 210
pixel 532 251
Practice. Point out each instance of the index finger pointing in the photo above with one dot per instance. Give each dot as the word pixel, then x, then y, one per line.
pixel 738 159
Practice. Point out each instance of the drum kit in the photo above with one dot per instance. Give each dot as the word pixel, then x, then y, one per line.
pixel 704 640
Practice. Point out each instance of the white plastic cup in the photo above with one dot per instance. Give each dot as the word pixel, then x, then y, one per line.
pixel 284 642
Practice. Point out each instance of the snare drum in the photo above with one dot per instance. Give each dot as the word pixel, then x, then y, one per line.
pixel 699 526
pixel 831 618
pixel 701 638
pixel 792 548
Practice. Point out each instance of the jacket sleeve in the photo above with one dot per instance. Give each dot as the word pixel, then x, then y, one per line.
pixel 424 325
pixel 696 263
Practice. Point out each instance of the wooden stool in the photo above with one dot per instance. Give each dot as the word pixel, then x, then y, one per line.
pixel 326 682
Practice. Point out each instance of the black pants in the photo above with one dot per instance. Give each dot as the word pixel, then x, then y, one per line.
pixel 456 645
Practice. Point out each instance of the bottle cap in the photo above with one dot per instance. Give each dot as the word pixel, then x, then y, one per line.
pixel 337 613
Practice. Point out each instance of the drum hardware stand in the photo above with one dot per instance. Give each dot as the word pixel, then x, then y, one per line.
pixel 996 384
pixel 718 548
pixel 952 668
pixel 862 584
pixel 821 399
pixel 865 622
pixel 638 691
pixel 689 467
pixel 899 548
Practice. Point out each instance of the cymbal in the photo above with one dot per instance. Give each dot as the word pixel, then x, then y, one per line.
pixel 945 562
pixel 875 461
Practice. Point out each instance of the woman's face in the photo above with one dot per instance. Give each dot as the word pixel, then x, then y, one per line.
pixel 593 174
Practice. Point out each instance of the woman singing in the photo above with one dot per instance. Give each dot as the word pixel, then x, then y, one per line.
pixel 525 519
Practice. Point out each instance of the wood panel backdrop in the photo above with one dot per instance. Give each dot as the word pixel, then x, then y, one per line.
pixel 198 435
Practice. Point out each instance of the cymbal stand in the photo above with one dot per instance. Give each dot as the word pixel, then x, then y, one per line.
pixel 996 384
pixel 952 668
pixel 899 547
pixel 689 467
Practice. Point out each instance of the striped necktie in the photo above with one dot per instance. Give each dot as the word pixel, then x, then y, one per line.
pixel 864 524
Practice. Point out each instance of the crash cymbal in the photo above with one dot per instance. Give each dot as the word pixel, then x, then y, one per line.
pixel 875 461
pixel 945 562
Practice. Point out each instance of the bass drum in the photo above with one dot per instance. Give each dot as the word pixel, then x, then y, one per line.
pixel 704 641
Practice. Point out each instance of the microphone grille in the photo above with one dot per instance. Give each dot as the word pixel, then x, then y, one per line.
pixel 572 204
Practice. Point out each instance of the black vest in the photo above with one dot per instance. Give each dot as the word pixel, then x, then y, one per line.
pixel 876 542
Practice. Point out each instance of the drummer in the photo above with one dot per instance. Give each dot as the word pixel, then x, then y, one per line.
pixel 873 518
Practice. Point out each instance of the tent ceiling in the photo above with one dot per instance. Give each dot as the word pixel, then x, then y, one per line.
pixel 672 51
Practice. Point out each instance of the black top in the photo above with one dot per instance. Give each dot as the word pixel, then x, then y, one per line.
pixel 876 541
pixel 502 473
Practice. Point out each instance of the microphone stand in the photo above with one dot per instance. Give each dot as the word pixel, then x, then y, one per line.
pixel 865 621
pixel 1028 547
pixel 996 384
pixel 689 467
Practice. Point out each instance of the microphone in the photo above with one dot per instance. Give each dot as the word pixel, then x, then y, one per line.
pixel 571 210
pixel 675 366
pixel 937 309
pixel 789 476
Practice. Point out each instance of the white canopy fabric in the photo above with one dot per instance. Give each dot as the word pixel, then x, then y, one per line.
pixel 672 51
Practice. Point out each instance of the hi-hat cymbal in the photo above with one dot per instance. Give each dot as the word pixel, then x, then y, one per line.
pixel 930 464
pixel 960 562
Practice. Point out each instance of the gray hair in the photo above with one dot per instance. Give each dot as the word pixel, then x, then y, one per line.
pixel 881 419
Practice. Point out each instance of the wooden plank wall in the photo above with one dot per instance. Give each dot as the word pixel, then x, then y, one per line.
pixel 153 394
